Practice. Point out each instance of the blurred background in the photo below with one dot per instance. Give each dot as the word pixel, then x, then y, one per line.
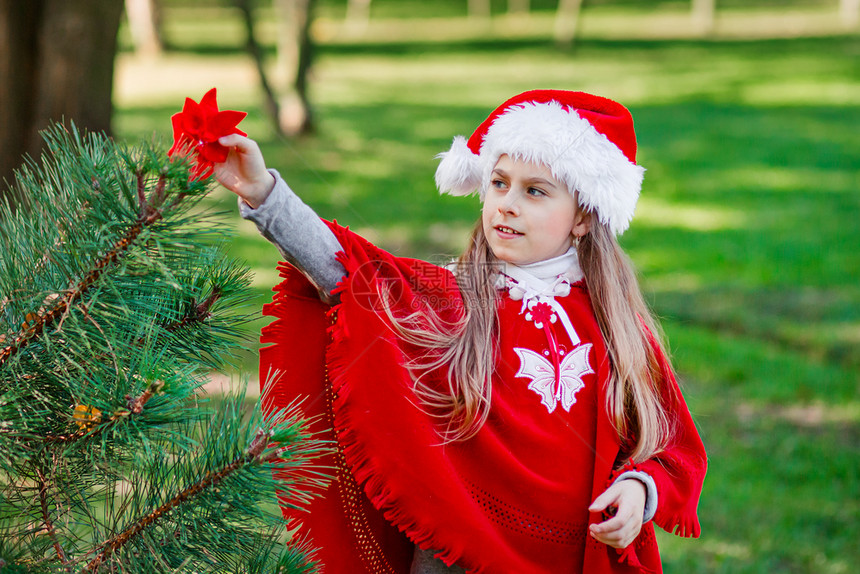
pixel 746 236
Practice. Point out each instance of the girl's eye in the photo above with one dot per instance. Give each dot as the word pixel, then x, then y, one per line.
pixel 535 191
pixel 498 183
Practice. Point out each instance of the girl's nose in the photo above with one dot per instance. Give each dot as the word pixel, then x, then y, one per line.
pixel 510 204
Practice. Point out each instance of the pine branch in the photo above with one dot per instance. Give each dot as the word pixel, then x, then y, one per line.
pixel 199 312
pixel 46 517
pixel 86 417
pixel 252 455
pixel 135 404
pixel 40 322
pixel 113 300
pixel 149 214
pixel 141 191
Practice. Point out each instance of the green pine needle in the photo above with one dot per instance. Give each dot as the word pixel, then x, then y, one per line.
pixel 115 304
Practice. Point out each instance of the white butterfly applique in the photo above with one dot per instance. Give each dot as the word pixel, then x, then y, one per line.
pixel 550 389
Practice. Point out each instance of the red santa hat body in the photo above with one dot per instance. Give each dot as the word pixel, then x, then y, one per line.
pixel 587 141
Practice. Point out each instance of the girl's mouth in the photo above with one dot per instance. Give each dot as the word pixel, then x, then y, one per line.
pixel 507 230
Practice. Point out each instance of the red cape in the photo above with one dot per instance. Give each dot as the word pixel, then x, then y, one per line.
pixel 499 502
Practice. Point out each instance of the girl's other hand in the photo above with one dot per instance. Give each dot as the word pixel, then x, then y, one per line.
pixel 244 171
pixel 627 497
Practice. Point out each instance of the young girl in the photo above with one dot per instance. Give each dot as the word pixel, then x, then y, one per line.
pixel 515 413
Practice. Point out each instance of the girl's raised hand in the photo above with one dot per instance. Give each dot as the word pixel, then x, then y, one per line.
pixel 244 171
pixel 628 499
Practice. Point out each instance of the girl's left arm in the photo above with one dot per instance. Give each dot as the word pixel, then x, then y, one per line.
pixel 679 470
pixel 671 481
pixel 280 215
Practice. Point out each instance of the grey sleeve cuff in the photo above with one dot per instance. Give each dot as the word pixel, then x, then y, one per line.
pixel 651 491
pixel 299 234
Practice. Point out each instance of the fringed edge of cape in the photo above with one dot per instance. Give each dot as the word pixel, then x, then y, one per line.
pixel 363 463
pixel 270 337
pixel 683 522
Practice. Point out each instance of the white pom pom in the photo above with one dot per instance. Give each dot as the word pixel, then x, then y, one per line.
pixel 459 172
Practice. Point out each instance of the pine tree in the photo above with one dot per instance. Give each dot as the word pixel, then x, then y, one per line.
pixel 115 303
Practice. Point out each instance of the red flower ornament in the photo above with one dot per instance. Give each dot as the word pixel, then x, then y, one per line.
pixel 196 129
pixel 542 314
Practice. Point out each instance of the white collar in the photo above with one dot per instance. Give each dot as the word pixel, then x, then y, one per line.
pixel 542 282
pixel 548 270
pixel 548 278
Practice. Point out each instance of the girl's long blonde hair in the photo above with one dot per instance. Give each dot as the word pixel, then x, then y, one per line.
pixel 639 394
pixel 637 390
pixel 461 346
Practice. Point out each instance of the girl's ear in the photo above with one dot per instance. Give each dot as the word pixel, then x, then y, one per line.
pixel 581 223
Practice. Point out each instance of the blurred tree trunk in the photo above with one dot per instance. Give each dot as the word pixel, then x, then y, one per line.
pixel 518 6
pixel 144 23
pixel 272 107
pixel 56 62
pixel 479 8
pixel 567 22
pixel 357 15
pixel 849 12
pixel 704 14
pixel 17 78
pixel 291 113
pixel 295 52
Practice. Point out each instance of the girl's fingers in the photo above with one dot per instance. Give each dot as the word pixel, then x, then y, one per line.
pixel 245 155
pixel 617 522
pixel 620 523
pixel 617 535
pixel 610 525
pixel 234 140
pixel 244 170
pixel 602 502
pixel 620 530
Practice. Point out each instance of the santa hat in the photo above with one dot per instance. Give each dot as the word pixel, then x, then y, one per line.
pixel 587 141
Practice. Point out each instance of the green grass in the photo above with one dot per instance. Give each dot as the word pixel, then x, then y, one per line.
pixel 746 234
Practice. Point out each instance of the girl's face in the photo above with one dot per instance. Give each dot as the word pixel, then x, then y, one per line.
pixel 528 215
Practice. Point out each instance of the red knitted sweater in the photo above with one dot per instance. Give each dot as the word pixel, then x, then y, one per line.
pixel 514 497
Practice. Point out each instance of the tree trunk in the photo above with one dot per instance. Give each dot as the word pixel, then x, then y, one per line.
pixel 704 14
pixel 272 106
pixel 56 63
pixel 567 22
pixel 295 51
pixel 518 6
pixel 357 15
pixel 479 8
pixel 18 26
pixel 144 23
pixel 849 12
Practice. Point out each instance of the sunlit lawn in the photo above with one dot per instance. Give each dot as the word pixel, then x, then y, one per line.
pixel 746 234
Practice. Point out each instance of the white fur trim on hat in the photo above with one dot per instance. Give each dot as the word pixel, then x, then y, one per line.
pixel 459 172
